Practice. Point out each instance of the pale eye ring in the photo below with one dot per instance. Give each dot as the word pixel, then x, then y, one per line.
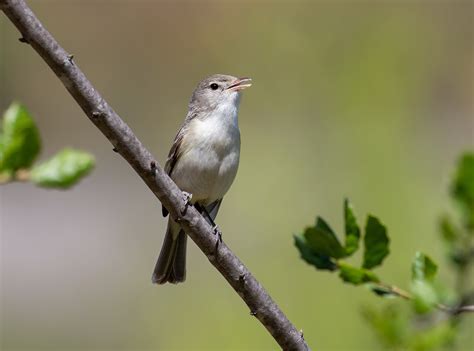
pixel 214 86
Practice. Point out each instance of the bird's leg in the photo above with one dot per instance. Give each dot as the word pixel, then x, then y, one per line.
pixel 202 210
pixel 215 228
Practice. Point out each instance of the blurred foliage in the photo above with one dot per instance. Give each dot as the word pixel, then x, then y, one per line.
pixel 432 319
pixel 397 328
pixel 462 188
pixel 20 145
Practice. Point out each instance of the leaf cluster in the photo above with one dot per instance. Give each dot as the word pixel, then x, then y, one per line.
pixel 320 247
pixel 20 145
pixel 458 234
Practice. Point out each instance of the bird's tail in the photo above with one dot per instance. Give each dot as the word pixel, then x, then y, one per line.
pixel 171 264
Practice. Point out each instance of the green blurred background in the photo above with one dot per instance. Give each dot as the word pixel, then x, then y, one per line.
pixel 371 100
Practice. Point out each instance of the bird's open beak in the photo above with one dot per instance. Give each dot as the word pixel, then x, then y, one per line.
pixel 240 84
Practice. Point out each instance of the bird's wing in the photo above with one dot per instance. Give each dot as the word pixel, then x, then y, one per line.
pixel 173 156
pixel 176 150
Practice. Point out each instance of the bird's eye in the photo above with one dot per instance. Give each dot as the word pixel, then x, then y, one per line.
pixel 214 86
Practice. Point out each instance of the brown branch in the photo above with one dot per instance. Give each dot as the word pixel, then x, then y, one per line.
pixel 131 149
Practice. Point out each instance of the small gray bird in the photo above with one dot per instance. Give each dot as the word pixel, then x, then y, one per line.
pixel 203 161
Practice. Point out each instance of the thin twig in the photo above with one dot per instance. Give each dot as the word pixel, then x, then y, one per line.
pixel 132 150
pixel 468 308
pixel 396 291
pixel 21 175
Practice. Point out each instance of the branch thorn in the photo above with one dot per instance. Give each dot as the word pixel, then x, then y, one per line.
pixel 153 167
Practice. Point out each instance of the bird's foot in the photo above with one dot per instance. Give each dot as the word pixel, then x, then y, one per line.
pixel 217 231
pixel 186 202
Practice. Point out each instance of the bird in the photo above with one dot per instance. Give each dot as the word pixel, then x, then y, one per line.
pixel 203 162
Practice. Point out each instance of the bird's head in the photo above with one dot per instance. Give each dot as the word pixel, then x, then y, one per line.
pixel 219 90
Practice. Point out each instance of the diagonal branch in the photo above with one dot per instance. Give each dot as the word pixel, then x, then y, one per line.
pixel 132 150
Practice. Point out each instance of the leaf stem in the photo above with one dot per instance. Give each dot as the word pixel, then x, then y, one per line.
pixel 21 175
pixel 396 291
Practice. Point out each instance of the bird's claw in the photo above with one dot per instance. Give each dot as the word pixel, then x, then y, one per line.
pixel 186 201
pixel 217 231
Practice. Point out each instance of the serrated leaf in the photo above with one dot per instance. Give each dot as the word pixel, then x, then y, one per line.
pixel 376 243
pixel 355 275
pixel 424 294
pixel 322 240
pixel 63 170
pixel 20 141
pixel 423 267
pixel 352 230
pixel 311 257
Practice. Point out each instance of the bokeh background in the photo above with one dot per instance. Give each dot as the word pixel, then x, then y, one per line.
pixel 372 100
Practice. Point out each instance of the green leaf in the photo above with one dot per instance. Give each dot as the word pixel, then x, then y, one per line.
pixel 463 185
pixel 460 257
pixel 351 229
pixel 423 268
pixel 63 170
pixel 391 323
pixel 20 141
pixel 435 337
pixel 355 275
pixel 448 230
pixel 311 257
pixel 425 297
pixel 322 240
pixel 376 243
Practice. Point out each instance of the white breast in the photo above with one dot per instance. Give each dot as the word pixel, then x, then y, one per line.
pixel 210 158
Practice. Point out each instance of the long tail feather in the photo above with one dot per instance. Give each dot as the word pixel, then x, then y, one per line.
pixel 171 264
